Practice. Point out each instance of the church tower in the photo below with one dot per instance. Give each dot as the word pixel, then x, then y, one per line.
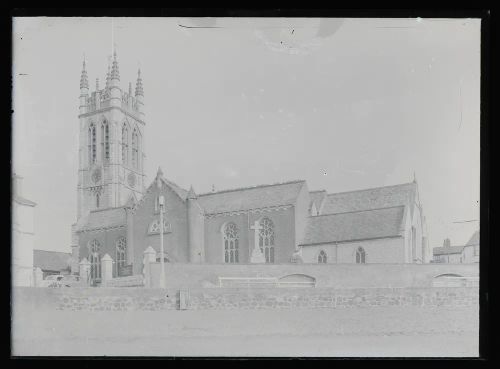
pixel 111 143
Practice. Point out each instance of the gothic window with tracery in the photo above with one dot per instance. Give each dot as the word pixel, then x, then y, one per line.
pixel 135 149
pixel 125 144
pixel 121 253
pixel 266 239
pixel 92 144
pixel 154 227
pixel 105 141
pixel 360 256
pixel 231 243
pixel 322 258
pixel 95 259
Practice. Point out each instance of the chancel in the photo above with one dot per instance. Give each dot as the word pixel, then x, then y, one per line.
pixel 120 215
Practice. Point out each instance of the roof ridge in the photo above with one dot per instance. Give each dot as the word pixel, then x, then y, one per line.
pixel 371 188
pixel 317 191
pixel 359 211
pixel 250 187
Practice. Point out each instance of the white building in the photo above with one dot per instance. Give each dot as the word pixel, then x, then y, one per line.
pixel 23 234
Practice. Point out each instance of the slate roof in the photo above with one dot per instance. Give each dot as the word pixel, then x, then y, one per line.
pixel 317 198
pixel 372 198
pixel 474 240
pixel 352 226
pixel 182 193
pixel 447 250
pixel 250 197
pixel 100 219
pixel 51 260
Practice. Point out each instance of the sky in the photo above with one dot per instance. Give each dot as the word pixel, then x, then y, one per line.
pixel 344 104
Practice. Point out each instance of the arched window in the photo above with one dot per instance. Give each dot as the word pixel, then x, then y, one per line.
pixel 125 144
pixel 360 256
pixel 266 239
pixel 322 258
pixel 97 200
pixel 231 243
pixel 135 149
pixel 95 259
pixel 105 141
pixel 92 144
pixel 121 253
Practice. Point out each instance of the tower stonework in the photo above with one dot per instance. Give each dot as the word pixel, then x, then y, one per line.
pixel 111 143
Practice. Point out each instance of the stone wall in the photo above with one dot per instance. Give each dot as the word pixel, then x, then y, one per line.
pixel 140 299
pixel 189 276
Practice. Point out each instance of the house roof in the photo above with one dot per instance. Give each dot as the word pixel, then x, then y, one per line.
pixel 100 219
pixel 250 197
pixel 352 226
pixel 474 240
pixel 317 198
pixel 372 198
pixel 449 250
pixel 51 260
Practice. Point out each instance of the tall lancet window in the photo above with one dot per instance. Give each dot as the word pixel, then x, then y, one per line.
pixel 121 254
pixel 92 144
pixel 360 256
pixel 125 144
pixel 95 259
pixel 266 239
pixel 135 149
pixel 231 243
pixel 105 141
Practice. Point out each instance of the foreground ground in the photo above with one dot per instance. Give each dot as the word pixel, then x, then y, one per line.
pixel 381 331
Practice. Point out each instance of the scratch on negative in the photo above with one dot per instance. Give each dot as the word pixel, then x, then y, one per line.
pixel 180 25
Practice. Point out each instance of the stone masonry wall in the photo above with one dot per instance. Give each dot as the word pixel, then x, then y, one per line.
pixel 139 299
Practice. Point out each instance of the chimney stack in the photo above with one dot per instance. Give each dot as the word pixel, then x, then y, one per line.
pixel 447 243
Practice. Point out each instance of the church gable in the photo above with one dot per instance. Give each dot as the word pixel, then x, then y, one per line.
pixel 146 215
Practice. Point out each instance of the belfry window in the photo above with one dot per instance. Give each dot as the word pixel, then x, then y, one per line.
pixel 92 144
pixel 125 144
pixel 231 243
pixel 97 198
pixel 105 141
pixel 360 256
pixel 121 253
pixel 95 259
pixel 322 258
pixel 266 239
pixel 135 149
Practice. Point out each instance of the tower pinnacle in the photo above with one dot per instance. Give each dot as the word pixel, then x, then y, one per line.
pixel 139 91
pixel 115 72
pixel 108 74
pixel 84 82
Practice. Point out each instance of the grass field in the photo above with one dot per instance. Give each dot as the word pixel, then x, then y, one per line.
pixel 367 332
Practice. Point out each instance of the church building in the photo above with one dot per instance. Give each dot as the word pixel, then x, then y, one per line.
pixel 119 214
